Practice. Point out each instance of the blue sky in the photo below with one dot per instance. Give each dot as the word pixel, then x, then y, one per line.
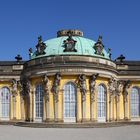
pixel 22 21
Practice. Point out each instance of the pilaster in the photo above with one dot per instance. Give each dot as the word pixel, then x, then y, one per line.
pixel 111 108
pixel 79 106
pixel 14 101
pixel 44 108
pixel 117 108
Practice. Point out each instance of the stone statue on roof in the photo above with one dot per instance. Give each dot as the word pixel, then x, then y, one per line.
pixel 98 46
pixel 69 43
pixel 41 46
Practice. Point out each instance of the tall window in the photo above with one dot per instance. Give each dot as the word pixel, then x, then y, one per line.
pixel 101 102
pixel 39 101
pixel 5 102
pixel 135 102
pixel 69 101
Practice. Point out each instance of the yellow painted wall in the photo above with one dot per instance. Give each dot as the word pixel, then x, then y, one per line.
pixel 60 106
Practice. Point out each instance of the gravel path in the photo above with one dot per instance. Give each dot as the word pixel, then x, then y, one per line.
pixel 112 133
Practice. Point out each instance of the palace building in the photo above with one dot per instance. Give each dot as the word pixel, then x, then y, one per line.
pixel 70 79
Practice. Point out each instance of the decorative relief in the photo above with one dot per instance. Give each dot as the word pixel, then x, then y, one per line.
pixel 69 43
pixel 115 88
pixel 19 86
pixel 82 85
pixel 55 87
pixel 25 86
pixel 46 86
pixel 92 84
pixel 99 46
pixel 126 86
pixel 17 67
pixel 41 46
pixel 14 87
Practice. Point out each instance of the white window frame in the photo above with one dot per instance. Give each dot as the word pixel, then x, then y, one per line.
pixel 70 102
pixel 101 103
pixel 135 102
pixel 39 102
pixel 4 103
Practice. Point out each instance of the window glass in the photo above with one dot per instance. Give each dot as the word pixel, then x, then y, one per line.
pixel 5 102
pixel 69 100
pixel 39 101
pixel 101 101
pixel 135 102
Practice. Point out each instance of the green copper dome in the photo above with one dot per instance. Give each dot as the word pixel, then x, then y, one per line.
pixel 83 46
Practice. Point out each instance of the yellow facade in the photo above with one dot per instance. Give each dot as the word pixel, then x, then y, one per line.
pixel 54 111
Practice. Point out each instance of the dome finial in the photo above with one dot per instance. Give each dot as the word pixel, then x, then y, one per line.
pixel 69 32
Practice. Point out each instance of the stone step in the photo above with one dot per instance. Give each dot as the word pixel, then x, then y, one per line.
pixel 75 125
pixel 8 122
pixel 69 125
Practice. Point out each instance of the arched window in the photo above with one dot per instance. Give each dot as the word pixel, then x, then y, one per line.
pixel 101 103
pixel 39 101
pixel 5 103
pixel 135 102
pixel 70 102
